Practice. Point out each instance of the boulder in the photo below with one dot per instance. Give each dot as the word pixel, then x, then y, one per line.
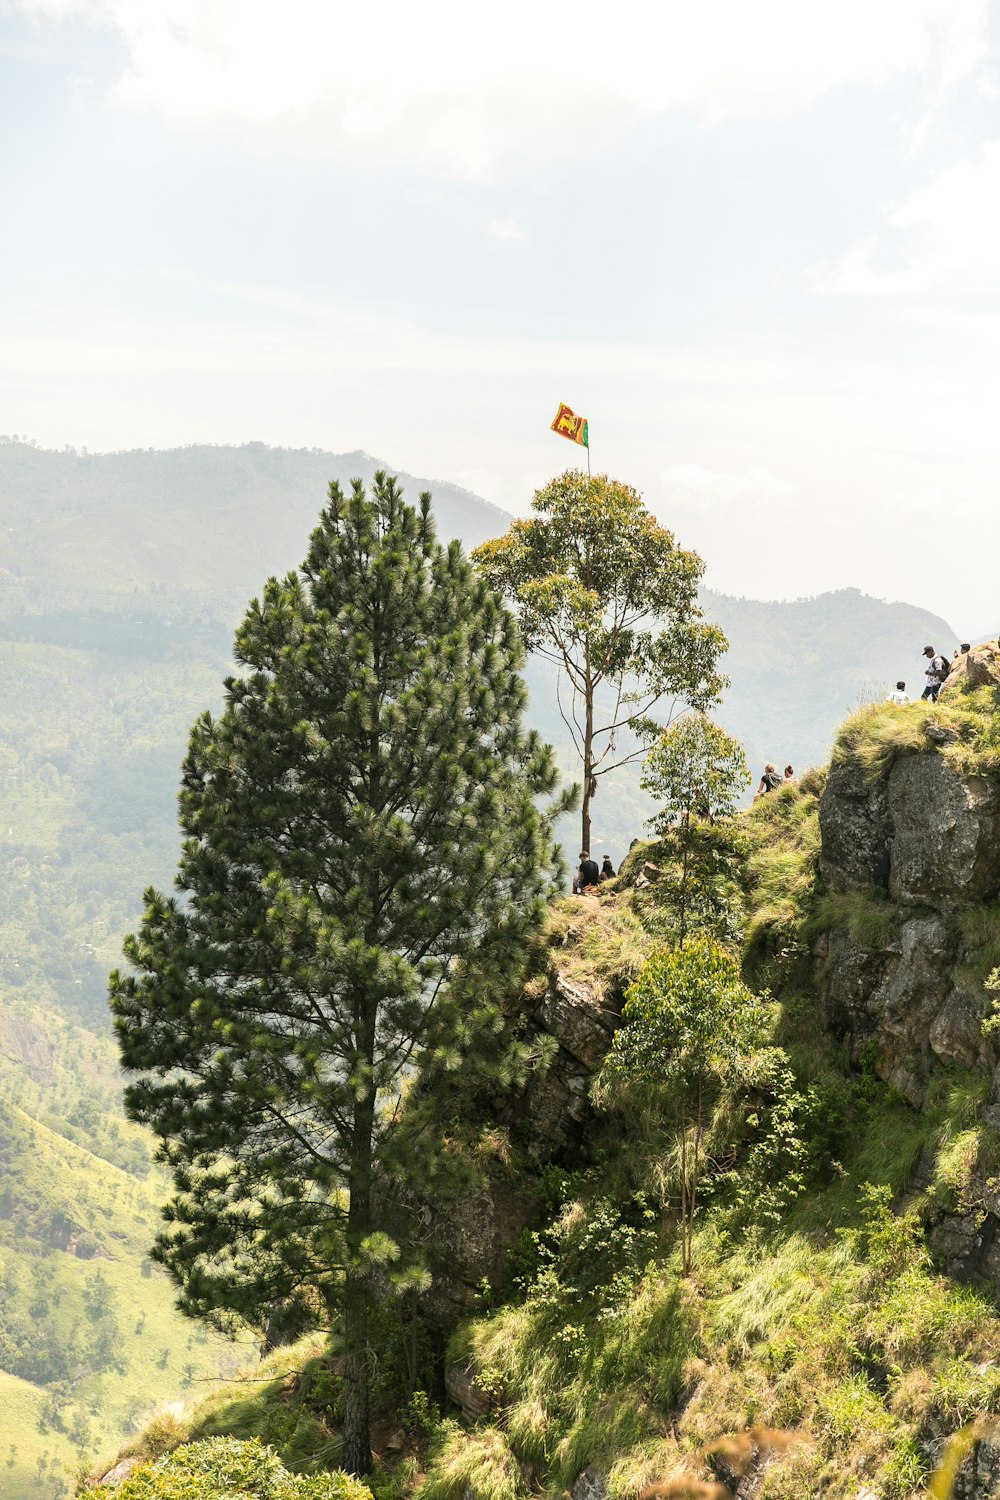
pixel 855 831
pixel 463 1390
pixel 910 1001
pixel 468 1241
pixel 979 667
pixel 121 1471
pixel 592 1484
pixel 850 974
pixel 944 849
pixel 575 1015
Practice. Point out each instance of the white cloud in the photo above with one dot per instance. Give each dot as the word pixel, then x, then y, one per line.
pixel 944 238
pixel 285 331
pixel 707 490
pixel 506 229
pixel 454 91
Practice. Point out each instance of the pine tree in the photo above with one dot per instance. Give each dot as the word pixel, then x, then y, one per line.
pixel 361 833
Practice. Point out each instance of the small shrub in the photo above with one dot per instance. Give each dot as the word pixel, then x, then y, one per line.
pixel 227 1469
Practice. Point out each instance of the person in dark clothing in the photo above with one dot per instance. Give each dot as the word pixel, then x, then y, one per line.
pixel 607 868
pixel 769 782
pixel 589 874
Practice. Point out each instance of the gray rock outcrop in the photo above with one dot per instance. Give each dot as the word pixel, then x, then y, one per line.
pixel 923 841
pixel 944 848
pixel 569 1025
pixel 979 667
pixel 121 1471
pixel 855 831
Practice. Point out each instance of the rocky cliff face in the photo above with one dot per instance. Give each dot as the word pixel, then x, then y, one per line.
pixel 914 856
pixel 568 1023
pixel 924 841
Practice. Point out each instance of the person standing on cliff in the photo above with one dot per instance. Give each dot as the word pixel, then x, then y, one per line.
pixel 937 671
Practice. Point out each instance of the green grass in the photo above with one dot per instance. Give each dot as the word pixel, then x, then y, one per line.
pixel 76 1225
pixel 980 929
pixel 783 828
pixel 598 940
pixel 290 1401
pixel 880 733
pixel 868 916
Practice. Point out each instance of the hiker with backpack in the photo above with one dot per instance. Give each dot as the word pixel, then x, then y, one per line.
pixel 937 671
pixel 769 782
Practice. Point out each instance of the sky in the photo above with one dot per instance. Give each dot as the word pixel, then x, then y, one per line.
pixel 757 246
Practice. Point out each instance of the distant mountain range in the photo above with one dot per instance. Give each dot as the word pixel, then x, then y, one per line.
pixel 150 556
pixel 121 578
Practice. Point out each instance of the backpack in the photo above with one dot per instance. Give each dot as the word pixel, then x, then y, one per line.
pixel 772 780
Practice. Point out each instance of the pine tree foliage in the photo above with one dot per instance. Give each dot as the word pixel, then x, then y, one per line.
pixel 364 859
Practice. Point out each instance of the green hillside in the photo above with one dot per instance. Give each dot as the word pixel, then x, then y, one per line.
pixel 814 1348
pixel 89 1340
pixel 121 577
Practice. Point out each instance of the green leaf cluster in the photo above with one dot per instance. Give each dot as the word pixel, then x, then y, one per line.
pixel 227 1469
pixel 604 591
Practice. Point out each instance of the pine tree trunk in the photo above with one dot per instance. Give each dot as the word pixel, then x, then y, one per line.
pixel 357 1457
pixel 357 1429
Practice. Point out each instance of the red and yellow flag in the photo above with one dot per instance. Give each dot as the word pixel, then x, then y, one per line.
pixel 569 425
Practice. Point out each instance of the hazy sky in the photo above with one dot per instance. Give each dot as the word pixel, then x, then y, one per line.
pixel 756 244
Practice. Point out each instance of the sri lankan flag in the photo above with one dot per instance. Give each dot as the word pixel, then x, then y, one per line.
pixel 569 425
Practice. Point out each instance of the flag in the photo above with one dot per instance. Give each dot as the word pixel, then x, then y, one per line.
pixel 569 425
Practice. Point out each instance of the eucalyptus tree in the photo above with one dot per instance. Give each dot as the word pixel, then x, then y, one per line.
pixel 604 591
pixel 364 859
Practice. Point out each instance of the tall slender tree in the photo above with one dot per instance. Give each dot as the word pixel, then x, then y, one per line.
pixel 604 591
pixel 361 827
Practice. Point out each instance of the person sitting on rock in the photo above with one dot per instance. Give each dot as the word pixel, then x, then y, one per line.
pixel 607 868
pixel 769 782
pixel 937 671
pixel 900 696
pixel 587 875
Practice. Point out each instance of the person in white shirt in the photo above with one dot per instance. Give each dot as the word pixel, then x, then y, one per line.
pixel 900 696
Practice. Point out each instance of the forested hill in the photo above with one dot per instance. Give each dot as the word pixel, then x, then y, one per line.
pixel 174 543
pixel 215 521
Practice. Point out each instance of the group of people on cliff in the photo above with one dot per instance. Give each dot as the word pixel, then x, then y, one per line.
pixel 587 875
pixel 936 671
